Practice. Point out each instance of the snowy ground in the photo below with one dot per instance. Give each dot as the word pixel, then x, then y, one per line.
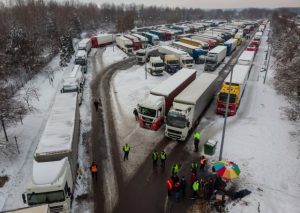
pixel 18 167
pixel 259 138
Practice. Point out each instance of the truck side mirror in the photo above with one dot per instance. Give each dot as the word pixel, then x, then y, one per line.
pixel 188 124
pixel 69 191
pixel 24 198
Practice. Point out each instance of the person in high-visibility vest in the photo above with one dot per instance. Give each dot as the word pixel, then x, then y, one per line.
pixel 163 157
pixel 195 188
pixel 94 170
pixel 155 158
pixel 126 149
pixel 202 163
pixel 196 141
pixel 175 169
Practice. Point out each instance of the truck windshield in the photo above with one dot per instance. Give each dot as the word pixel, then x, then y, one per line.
pixel 158 64
pixel 176 120
pixel 148 112
pixel 223 97
pixel 189 61
pixel 140 53
pixel 173 62
pixel 47 197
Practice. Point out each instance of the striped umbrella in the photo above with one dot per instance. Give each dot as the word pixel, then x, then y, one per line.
pixel 227 169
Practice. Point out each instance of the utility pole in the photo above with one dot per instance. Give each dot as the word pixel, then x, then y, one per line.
pixel 225 119
pixel 3 126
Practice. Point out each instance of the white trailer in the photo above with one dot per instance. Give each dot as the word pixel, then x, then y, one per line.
pixel 215 57
pixel 258 36
pixel 144 41
pixel 246 58
pixel 55 158
pixel 102 40
pixel 231 45
pixel 186 61
pixel 125 44
pixel 73 81
pixel 85 44
pixel 189 105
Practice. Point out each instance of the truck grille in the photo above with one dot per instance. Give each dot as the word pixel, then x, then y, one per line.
pixel 174 137
pixel 174 131
pixel 56 209
pixel 148 120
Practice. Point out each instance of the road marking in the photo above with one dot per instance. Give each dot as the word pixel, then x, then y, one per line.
pixel 166 204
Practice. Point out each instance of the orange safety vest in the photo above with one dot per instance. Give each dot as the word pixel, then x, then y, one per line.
pixel 94 168
pixel 202 161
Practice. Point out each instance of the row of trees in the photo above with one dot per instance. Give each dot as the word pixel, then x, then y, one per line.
pixel 33 31
pixel 286 45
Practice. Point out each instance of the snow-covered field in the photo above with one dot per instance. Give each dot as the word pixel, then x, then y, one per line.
pixel 18 167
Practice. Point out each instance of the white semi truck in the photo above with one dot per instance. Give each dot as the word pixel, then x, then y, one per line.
pixel 157 104
pixel 85 44
pixel 155 66
pixel 55 159
pixel 189 105
pixel 186 61
pixel 215 57
pixel 124 44
pixel 81 57
pixel 73 81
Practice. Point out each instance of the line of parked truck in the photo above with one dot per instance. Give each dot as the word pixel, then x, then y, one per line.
pixel 180 100
pixel 55 158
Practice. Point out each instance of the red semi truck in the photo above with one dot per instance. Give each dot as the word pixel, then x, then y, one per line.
pixel 156 106
pixel 102 40
pixel 136 44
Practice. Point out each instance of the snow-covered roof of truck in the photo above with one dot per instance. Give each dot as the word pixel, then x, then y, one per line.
pixel 195 40
pixel 240 73
pixel 47 172
pixel 156 59
pixel 173 82
pixel 152 101
pixel 153 35
pixel 135 39
pixel 170 50
pixel 217 49
pixel 142 38
pixel 247 55
pixel 191 94
pixel 186 45
pixel 58 133
pixel 230 41
pixel 81 53
pixel 84 41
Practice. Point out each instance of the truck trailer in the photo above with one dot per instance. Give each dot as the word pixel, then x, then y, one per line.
pixel 240 75
pixel 210 42
pixel 73 81
pixel 153 39
pixel 215 57
pixel 231 45
pixel 124 44
pixel 85 44
pixel 143 40
pixel 55 158
pixel 136 44
pixel 189 105
pixel 186 61
pixel 102 40
pixel 195 42
pixel 194 51
pixel 246 58
pixel 156 106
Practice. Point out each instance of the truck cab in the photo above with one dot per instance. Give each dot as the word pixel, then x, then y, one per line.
pixel 81 57
pixel 179 118
pixel 156 66
pixel 141 56
pixel 151 112
pixel 234 99
pixel 171 63
pixel 211 61
pixel 51 183
pixel 186 61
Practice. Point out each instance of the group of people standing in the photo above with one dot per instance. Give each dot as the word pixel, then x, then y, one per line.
pixel 178 186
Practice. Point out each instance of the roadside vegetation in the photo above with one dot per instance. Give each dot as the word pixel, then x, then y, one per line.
pixel 286 45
